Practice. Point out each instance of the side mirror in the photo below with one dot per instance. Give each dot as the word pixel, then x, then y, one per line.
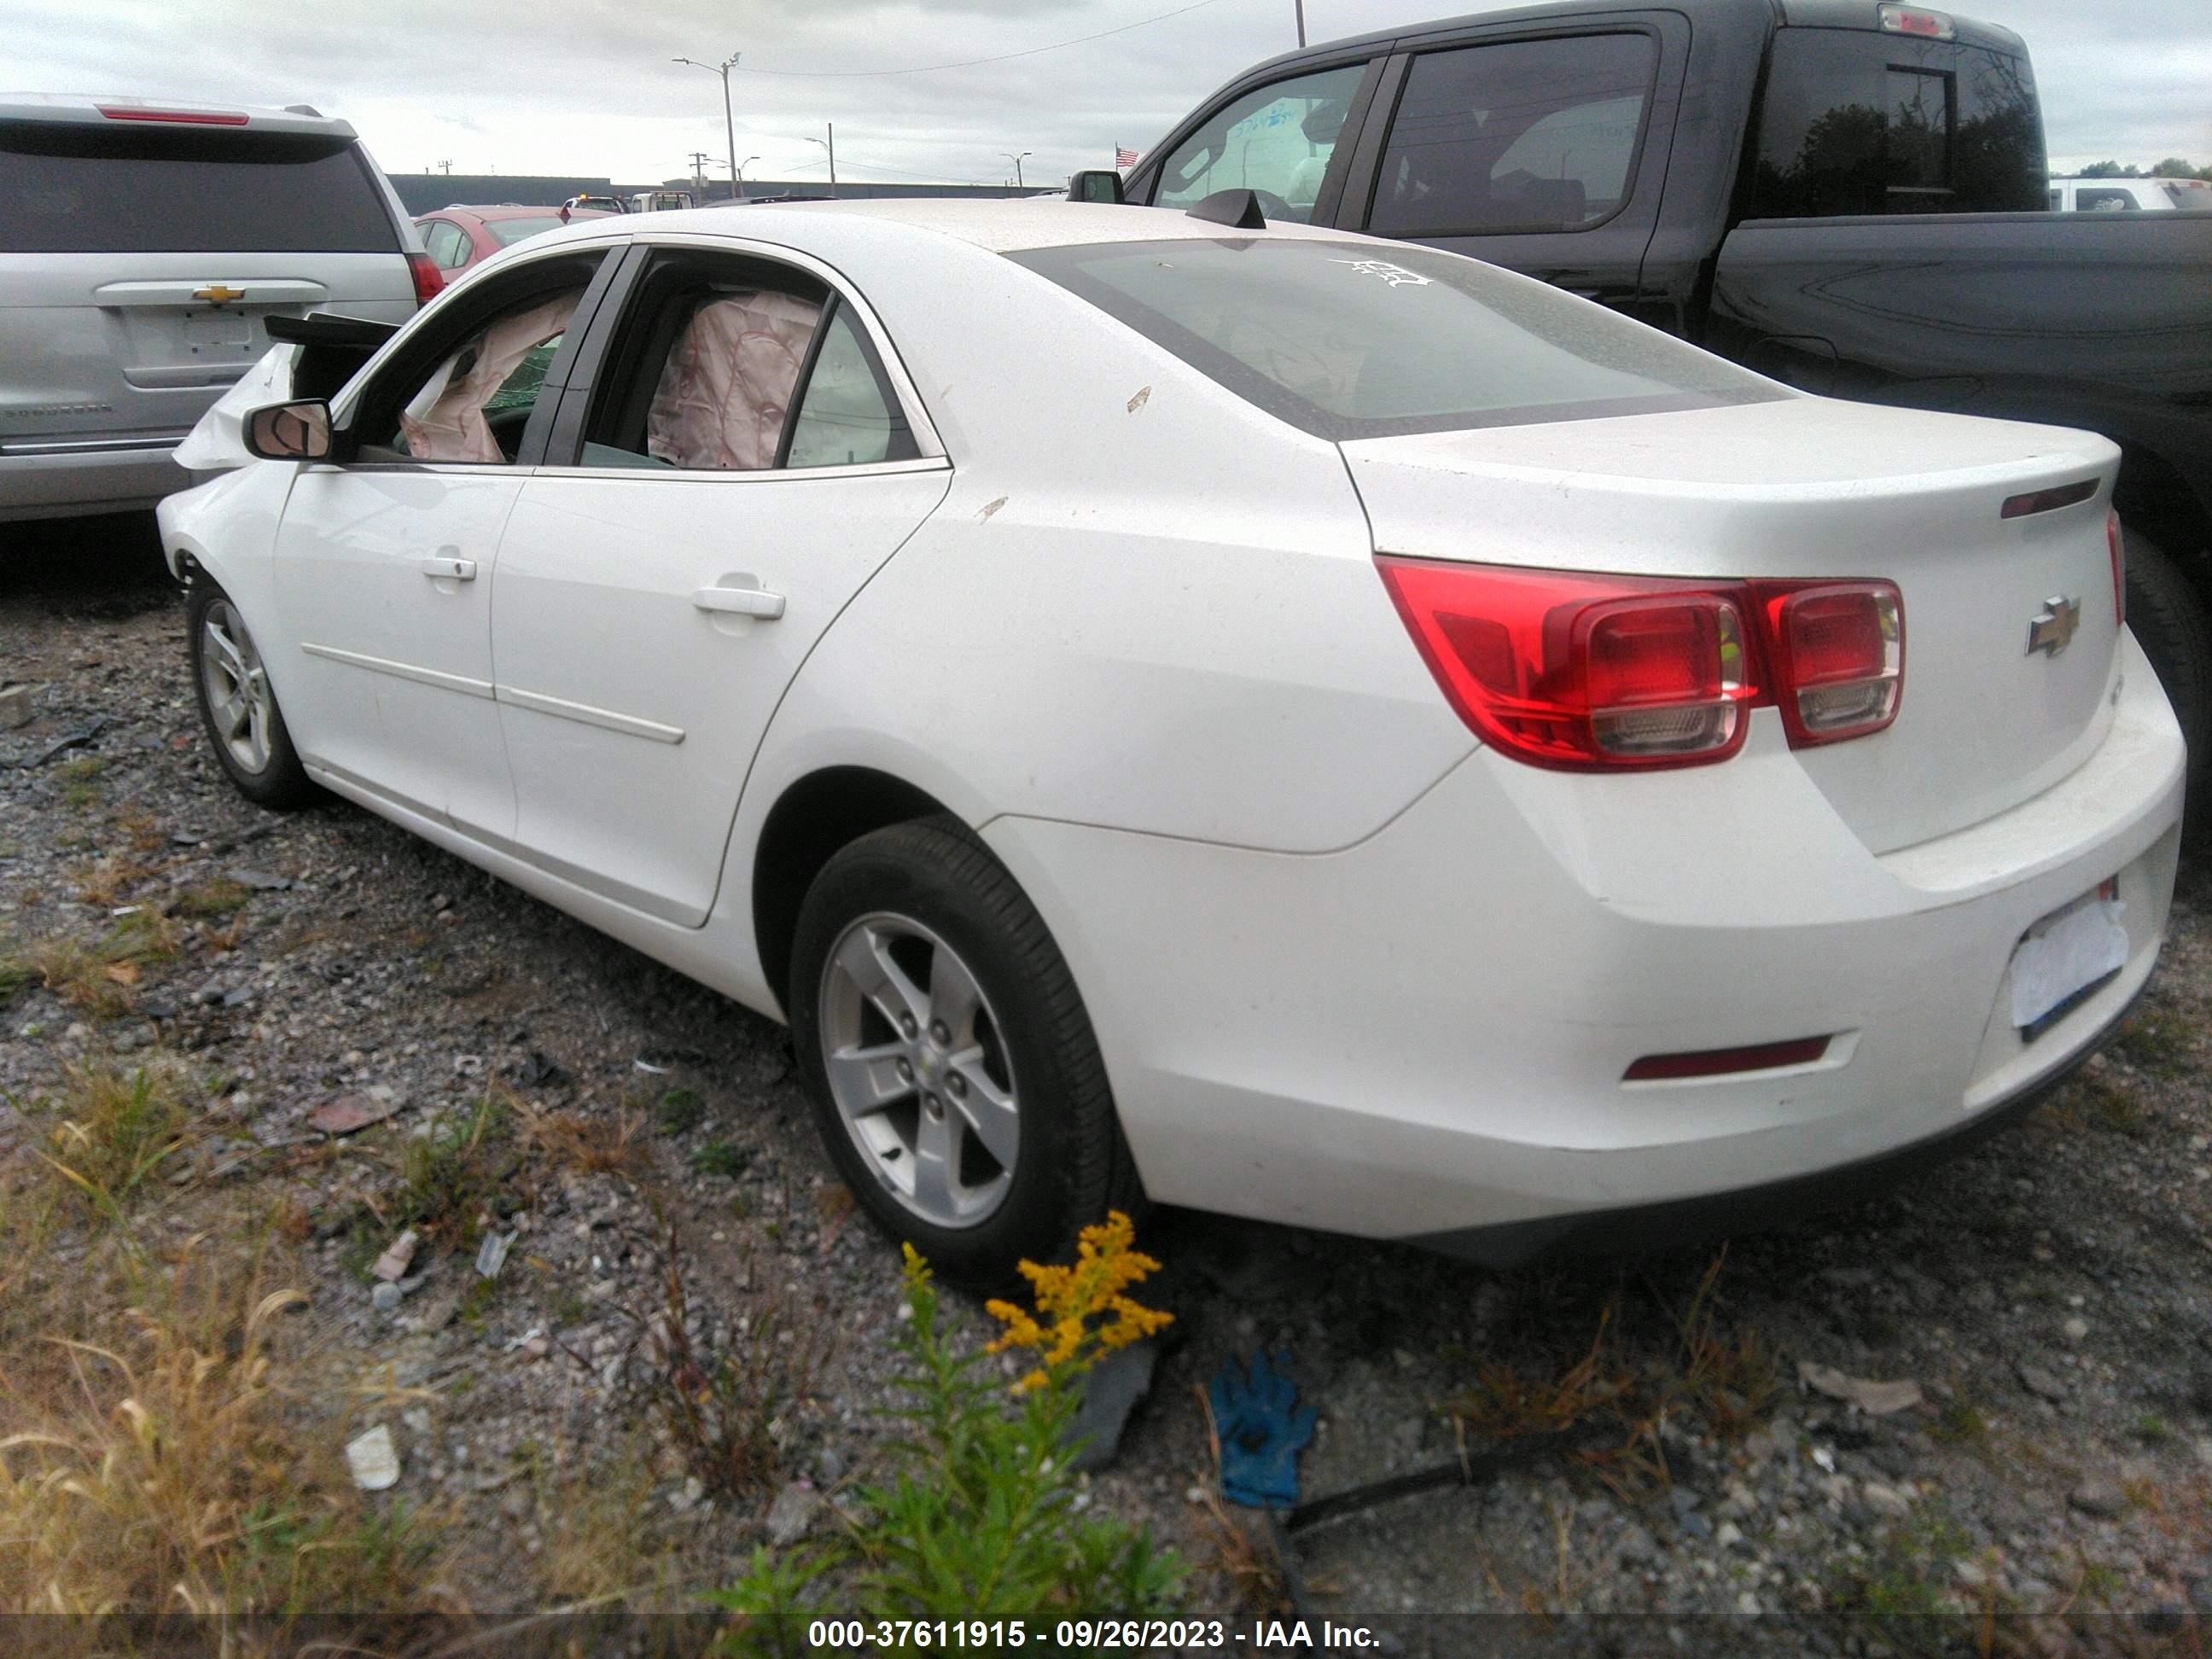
pixel 1094 184
pixel 289 432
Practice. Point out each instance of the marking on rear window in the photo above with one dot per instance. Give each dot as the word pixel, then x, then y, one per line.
pixel 1395 276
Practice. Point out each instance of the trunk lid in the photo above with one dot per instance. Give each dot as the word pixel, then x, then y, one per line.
pixel 1812 487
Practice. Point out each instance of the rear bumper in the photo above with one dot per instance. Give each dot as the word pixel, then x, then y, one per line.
pixel 1425 1035
pixel 109 477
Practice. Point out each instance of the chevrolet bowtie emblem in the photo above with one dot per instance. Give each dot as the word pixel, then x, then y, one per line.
pixel 2052 630
pixel 216 294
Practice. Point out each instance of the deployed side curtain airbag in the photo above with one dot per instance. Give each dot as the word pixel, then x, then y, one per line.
pixel 722 397
pixel 446 420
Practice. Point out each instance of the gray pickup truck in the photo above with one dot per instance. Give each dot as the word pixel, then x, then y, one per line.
pixel 1844 195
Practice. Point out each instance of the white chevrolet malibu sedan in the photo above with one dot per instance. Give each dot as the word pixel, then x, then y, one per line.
pixel 1274 721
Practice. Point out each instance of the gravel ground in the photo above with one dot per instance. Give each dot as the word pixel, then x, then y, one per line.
pixel 2047 1294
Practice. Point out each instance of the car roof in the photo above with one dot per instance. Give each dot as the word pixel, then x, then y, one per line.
pixel 513 210
pixel 1804 13
pixel 88 109
pixel 997 226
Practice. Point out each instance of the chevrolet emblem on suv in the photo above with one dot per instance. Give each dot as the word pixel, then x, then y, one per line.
pixel 216 294
pixel 2052 630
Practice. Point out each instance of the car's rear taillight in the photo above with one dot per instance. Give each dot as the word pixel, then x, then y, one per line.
pixel 2118 546
pixel 1579 671
pixel 429 279
pixel 197 118
pixel 1584 671
pixel 1837 650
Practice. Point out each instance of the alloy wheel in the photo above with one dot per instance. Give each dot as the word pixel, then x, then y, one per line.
pixel 918 1069
pixel 240 707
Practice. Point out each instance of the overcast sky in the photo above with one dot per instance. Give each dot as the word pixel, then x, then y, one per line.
pixel 587 87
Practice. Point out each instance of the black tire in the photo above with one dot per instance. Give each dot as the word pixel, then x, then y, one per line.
pixel 2167 615
pixel 1072 1166
pixel 280 783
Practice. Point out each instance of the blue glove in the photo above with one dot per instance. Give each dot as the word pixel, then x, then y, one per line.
pixel 1263 1430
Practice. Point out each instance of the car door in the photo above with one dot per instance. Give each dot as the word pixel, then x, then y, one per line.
pixel 385 558
pixel 1542 153
pixel 737 453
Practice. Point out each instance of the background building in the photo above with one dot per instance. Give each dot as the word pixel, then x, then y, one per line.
pixel 426 192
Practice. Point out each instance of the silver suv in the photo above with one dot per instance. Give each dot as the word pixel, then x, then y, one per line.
pixel 142 249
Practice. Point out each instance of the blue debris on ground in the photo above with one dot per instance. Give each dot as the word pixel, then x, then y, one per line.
pixel 1262 1429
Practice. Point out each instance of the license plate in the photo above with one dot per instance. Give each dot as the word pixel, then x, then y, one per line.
pixel 216 328
pixel 2064 957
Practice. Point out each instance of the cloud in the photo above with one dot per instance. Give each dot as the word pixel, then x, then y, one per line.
pixel 586 86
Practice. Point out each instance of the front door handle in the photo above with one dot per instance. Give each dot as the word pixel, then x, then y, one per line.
pixel 740 601
pixel 459 570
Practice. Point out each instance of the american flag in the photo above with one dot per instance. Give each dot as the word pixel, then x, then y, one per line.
pixel 1125 158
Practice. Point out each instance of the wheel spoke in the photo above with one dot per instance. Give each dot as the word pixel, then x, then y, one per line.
pixel 865 1080
pixel 953 997
pixel 257 731
pixel 989 1110
pixel 936 1153
pixel 865 958
pixel 228 656
pixel 237 717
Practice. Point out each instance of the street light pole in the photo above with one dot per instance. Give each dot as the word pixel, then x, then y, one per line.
pixel 738 175
pixel 729 121
pixel 831 127
pixel 1301 5
pixel 1017 160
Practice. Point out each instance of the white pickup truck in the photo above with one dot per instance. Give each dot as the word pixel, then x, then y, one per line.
pixel 2157 195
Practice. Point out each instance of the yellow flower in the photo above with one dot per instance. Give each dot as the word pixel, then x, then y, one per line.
pixel 1081 1309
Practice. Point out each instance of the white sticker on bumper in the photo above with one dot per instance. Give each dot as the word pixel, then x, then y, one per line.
pixel 2079 948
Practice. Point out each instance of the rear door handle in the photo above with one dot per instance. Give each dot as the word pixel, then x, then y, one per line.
pixel 459 570
pixel 740 601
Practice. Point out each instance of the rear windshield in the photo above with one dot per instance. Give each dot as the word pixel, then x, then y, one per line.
pixel 124 188
pixel 1336 338
pixel 1856 122
pixel 507 232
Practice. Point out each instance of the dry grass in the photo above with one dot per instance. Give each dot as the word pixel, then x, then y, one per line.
pixel 101 977
pixel 589 1146
pixel 156 1455
pixel 218 896
pixel 115 1132
pixel 112 880
pixel 164 1468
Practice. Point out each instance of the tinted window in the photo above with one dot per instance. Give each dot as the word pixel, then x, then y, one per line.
pixel 2108 199
pixel 122 188
pixel 1857 122
pixel 507 232
pixel 1523 135
pixel 1277 140
pixel 1335 339
pixel 847 417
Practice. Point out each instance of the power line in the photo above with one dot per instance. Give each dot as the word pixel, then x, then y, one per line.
pixel 972 63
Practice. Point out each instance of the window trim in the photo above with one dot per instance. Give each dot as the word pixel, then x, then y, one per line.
pixel 1630 181
pixel 594 354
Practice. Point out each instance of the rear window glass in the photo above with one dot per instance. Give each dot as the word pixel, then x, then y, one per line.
pixel 1857 122
pixel 1349 340
pixel 507 232
pixel 125 188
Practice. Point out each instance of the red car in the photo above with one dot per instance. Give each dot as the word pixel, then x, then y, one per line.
pixel 457 237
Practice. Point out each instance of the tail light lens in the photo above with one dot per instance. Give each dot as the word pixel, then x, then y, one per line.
pixel 1837 654
pixel 2117 544
pixel 1581 671
pixel 429 279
